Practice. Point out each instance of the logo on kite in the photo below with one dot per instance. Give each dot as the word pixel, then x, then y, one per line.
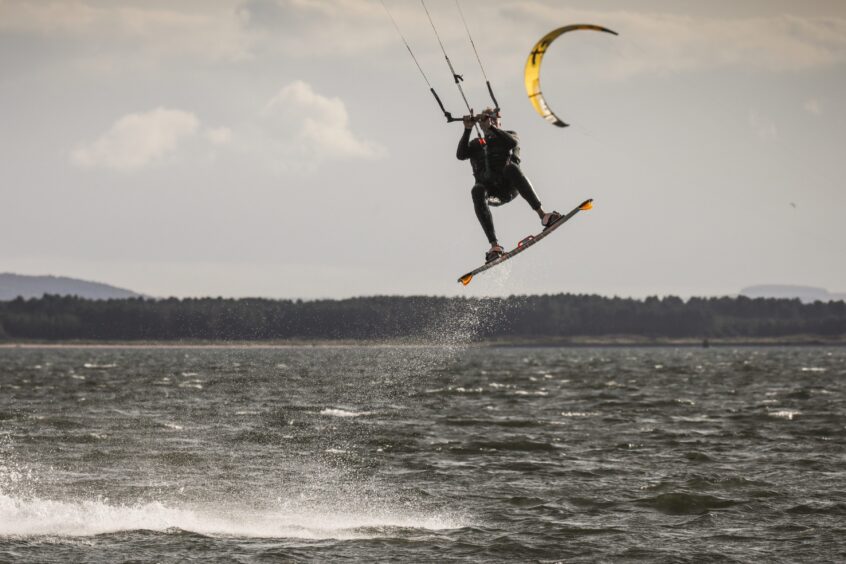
pixel 533 64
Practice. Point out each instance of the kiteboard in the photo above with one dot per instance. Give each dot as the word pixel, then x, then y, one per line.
pixel 527 242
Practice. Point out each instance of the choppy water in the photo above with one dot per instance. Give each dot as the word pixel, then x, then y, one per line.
pixel 422 454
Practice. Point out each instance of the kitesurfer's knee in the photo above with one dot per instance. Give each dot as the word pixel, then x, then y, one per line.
pixel 483 212
pixel 479 193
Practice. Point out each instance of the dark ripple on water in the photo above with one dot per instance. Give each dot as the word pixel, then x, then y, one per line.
pixel 422 454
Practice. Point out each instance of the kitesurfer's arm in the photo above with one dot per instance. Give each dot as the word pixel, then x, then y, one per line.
pixel 509 138
pixel 463 151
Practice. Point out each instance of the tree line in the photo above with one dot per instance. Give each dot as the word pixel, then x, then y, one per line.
pixel 55 318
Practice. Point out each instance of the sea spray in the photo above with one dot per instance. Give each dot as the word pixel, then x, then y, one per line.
pixel 15 476
pixel 347 463
pixel 35 517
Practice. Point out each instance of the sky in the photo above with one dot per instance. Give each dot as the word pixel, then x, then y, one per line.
pixel 291 148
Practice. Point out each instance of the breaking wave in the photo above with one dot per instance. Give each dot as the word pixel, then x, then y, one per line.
pixel 45 517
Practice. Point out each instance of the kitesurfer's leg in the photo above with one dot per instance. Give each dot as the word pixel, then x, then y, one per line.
pixel 517 179
pixel 483 212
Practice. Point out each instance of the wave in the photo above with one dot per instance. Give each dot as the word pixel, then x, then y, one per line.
pixel 333 412
pixel 43 517
pixel 515 444
pixel 685 503
pixel 789 414
pixel 818 508
pixel 504 422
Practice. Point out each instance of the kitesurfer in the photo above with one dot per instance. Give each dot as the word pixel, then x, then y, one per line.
pixel 495 160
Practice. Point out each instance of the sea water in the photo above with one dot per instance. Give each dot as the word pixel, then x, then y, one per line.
pixel 422 454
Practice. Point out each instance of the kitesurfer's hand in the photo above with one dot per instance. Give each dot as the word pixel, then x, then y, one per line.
pixel 468 121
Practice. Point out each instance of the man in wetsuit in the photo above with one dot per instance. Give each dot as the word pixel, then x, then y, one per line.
pixel 495 161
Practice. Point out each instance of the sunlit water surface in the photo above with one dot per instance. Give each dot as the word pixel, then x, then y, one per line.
pixel 422 454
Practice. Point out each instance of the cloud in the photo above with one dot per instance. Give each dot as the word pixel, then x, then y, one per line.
pixel 138 140
pixel 661 42
pixel 504 32
pixel 310 128
pixel 762 126
pixel 298 130
pixel 334 28
pixel 813 106
pixel 218 135
pixel 207 30
pixel 234 30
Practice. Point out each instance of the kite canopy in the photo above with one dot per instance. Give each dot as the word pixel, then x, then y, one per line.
pixel 533 64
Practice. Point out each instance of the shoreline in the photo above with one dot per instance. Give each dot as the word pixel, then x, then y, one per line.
pixel 621 341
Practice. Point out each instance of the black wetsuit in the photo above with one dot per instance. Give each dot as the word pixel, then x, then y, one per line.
pixel 497 173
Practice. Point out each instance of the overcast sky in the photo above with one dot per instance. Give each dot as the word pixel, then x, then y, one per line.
pixel 290 148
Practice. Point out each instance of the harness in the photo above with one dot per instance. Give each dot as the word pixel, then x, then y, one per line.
pixel 491 163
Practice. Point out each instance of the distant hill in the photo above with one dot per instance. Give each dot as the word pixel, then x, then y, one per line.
pixel 807 294
pixel 14 285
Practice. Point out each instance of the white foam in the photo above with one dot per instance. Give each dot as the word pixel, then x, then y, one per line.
pixel 344 413
pixel 789 414
pixel 44 517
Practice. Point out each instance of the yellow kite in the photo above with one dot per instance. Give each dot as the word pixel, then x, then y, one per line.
pixel 533 65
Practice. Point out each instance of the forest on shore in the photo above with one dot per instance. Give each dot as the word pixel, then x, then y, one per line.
pixel 538 317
